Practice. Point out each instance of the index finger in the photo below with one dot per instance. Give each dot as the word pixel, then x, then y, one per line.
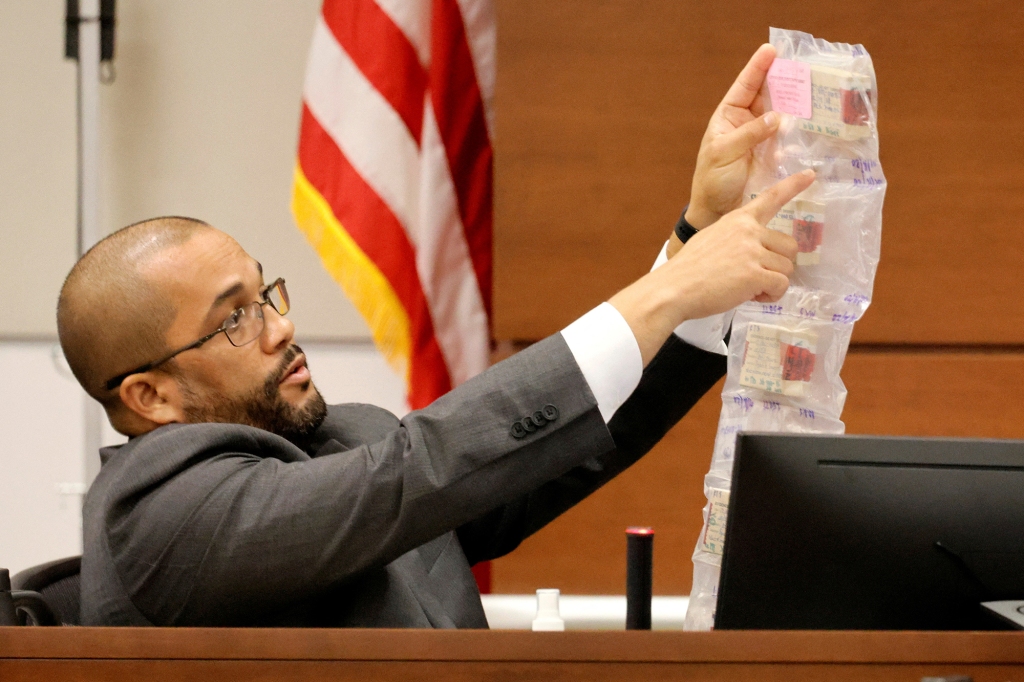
pixel 768 202
pixel 746 86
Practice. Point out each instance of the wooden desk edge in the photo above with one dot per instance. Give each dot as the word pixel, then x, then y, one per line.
pixel 482 645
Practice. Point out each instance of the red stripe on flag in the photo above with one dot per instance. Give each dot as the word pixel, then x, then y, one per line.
pixel 459 110
pixel 482 573
pixel 384 55
pixel 376 230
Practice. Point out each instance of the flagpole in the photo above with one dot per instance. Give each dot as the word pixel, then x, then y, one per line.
pixel 88 123
pixel 83 43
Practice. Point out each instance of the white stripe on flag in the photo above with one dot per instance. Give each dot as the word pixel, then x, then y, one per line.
pixel 444 264
pixel 478 16
pixel 370 134
pixel 412 17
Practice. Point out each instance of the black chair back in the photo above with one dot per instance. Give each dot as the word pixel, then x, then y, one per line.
pixel 59 585
pixel 22 607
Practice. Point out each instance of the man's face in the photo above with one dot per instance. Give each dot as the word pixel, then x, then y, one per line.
pixel 264 383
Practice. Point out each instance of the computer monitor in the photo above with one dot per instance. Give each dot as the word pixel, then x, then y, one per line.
pixel 865 532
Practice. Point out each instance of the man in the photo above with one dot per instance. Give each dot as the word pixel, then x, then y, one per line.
pixel 241 499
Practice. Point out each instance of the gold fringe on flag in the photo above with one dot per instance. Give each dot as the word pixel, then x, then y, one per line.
pixel 368 288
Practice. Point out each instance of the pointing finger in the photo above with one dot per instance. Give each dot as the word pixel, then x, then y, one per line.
pixel 748 83
pixel 768 203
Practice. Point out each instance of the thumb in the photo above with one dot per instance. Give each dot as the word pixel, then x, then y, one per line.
pixel 768 203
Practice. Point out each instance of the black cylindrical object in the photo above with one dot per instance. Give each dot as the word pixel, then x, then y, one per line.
pixel 639 577
pixel 8 616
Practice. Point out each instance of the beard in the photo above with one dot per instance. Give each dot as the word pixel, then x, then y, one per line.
pixel 264 407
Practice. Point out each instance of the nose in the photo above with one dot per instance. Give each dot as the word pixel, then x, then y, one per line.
pixel 278 331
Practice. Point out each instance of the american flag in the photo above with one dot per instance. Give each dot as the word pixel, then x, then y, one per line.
pixel 393 181
pixel 393 185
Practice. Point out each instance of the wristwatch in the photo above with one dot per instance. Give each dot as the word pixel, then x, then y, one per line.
pixel 684 230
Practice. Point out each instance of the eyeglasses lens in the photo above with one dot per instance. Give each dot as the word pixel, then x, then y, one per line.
pixel 245 324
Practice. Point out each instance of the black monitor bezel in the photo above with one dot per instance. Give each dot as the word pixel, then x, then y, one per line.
pixel 897 452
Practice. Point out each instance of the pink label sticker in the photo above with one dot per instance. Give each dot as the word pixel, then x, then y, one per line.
pixel 789 84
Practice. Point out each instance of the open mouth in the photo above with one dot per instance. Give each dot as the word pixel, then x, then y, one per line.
pixel 296 371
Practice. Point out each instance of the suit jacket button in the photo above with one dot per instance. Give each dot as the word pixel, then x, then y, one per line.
pixel 518 431
pixel 528 424
pixel 539 419
pixel 550 412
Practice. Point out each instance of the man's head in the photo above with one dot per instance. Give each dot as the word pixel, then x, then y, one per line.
pixel 160 285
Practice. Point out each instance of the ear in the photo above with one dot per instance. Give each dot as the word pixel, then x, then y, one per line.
pixel 153 396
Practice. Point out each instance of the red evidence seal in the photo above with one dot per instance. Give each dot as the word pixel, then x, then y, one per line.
pixel 797 363
pixel 808 233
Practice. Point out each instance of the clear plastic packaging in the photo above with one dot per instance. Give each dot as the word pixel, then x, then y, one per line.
pixel 785 357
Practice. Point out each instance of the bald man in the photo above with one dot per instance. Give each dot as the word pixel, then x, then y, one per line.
pixel 242 499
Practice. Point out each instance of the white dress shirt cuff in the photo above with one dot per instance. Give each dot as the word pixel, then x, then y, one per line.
pixel 706 333
pixel 608 355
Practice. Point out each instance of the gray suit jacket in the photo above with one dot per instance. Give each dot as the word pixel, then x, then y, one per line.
pixel 373 523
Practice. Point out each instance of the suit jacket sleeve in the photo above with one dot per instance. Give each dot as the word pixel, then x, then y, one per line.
pixel 677 377
pixel 223 523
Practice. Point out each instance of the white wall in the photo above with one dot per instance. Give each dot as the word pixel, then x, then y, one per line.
pixel 41 459
pixel 37 164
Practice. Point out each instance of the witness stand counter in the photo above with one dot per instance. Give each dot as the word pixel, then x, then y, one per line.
pixel 112 654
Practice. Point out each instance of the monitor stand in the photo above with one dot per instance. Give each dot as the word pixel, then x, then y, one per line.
pixel 1010 610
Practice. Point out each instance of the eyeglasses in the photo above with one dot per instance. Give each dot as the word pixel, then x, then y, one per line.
pixel 244 325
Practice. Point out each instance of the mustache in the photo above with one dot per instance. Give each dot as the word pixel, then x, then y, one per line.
pixel 293 351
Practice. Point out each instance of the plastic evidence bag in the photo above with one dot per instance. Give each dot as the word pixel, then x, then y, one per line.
pixel 785 357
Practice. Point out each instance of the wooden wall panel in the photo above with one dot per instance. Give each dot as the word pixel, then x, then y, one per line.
pixel 918 394
pixel 601 105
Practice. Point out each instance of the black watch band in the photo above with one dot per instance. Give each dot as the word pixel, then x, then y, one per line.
pixel 684 230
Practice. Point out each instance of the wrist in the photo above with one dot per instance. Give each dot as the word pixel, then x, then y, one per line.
pixel 673 246
pixel 650 310
pixel 699 217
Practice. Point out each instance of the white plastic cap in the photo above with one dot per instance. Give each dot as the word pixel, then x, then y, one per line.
pixel 548 618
